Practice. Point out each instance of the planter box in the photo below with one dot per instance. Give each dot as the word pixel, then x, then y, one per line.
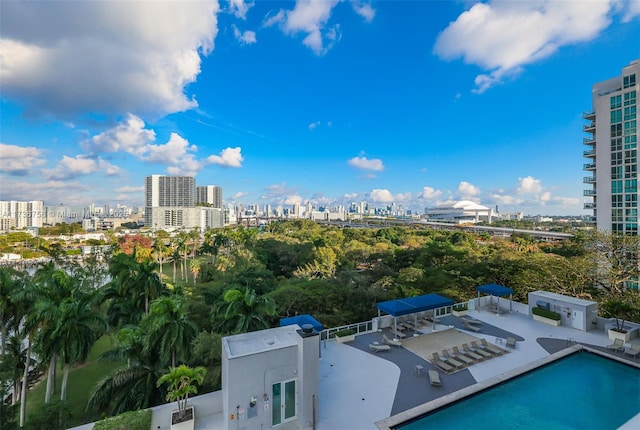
pixel 456 313
pixel 345 339
pixel 546 320
pixel 189 424
pixel 625 337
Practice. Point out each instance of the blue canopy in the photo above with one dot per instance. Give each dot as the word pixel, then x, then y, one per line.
pixel 302 320
pixel 495 290
pixel 412 305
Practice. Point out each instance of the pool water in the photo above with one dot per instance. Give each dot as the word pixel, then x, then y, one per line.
pixel 581 391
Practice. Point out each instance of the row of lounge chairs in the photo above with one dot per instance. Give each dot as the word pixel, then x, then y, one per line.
pixel 460 358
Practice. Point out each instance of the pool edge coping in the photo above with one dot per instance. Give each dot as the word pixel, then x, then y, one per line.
pixel 420 410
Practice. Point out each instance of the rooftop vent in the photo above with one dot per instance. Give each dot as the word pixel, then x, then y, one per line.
pixel 307 328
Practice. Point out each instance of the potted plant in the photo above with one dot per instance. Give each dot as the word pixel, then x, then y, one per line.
pixel 620 310
pixel 460 310
pixel 346 335
pixel 546 316
pixel 182 381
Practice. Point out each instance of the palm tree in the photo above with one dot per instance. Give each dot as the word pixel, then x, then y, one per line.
pixel 182 381
pixel 134 386
pixel 244 311
pixel 169 330
pixel 9 284
pixel 194 265
pixel 77 327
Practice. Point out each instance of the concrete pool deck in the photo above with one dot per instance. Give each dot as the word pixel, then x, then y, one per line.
pixel 359 388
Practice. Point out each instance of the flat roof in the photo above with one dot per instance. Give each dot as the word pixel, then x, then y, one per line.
pixel 568 299
pixel 254 342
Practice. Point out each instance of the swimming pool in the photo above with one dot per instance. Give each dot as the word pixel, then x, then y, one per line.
pixel 581 391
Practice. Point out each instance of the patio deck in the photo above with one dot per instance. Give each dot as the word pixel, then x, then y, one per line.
pixel 359 387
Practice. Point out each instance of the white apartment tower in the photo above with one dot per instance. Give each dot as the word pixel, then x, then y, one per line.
pixel 209 195
pixel 168 191
pixel 612 154
pixel 21 214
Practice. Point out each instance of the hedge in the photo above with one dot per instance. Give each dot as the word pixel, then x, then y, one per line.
pixel 546 314
pixel 134 420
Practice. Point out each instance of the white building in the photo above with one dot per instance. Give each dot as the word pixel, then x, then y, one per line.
pixel 209 195
pixel 464 211
pixel 271 378
pixel 612 153
pixel 168 192
pixel 21 214
pixel 176 217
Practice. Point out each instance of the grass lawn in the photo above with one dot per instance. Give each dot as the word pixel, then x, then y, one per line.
pixel 82 380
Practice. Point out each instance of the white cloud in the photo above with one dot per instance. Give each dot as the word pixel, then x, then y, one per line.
pixel 129 136
pixel 229 157
pixel 72 167
pixel 174 152
pixel 529 185
pixel 129 189
pixel 364 10
pixel 385 196
pixel 292 200
pixel 467 190
pixel 119 57
pixel 239 195
pixel 52 192
pixel 309 17
pixel 505 199
pixel 19 160
pixel 632 10
pixel 313 125
pixel 245 38
pixel 430 193
pixel 240 8
pixel 364 163
pixel 503 36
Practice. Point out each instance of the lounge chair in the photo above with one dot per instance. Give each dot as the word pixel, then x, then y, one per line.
pixel 378 348
pixel 495 349
pixel 471 327
pixel 398 334
pixel 474 353
pixel 511 342
pixel 632 350
pixel 458 356
pixel 617 345
pixel 434 378
pixel 471 321
pixel 436 361
pixel 392 342
pixel 449 359
pixel 461 354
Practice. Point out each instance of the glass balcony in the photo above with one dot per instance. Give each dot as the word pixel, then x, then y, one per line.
pixel 589 166
pixel 589 128
pixel 590 219
pixel 589 193
pixel 589 140
pixel 589 115
pixel 589 154
pixel 589 179
pixel 589 206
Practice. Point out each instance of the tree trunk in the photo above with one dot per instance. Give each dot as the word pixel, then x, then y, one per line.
pixel 16 392
pixel 50 379
pixel 65 378
pixel 23 392
pixel 3 333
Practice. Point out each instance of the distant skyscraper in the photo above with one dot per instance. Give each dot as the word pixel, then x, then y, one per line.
pixel 209 195
pixel 168 191
pixel 612 157
pixel 21 214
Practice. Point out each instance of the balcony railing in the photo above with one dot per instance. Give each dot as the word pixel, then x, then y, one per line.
pixel 589 115
pixel 589 154
pixel 589 166
pixel 589 140
pixel 590 219
pixel 589 179
pixel 589 128
pixel 589 206
pixel 589 193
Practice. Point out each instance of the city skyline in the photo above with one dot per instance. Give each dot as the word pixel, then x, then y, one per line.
pixel 412 103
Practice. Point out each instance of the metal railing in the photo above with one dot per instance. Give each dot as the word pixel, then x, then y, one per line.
pixel 361 327
pixel 589 192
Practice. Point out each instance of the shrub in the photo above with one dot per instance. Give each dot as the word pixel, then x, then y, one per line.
pixel 547 314
pixel 134 420
pixel 345 332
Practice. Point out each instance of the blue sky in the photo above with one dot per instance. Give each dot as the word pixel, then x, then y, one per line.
pixel 412 102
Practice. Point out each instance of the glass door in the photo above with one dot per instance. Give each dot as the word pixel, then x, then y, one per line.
pixel 283 398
